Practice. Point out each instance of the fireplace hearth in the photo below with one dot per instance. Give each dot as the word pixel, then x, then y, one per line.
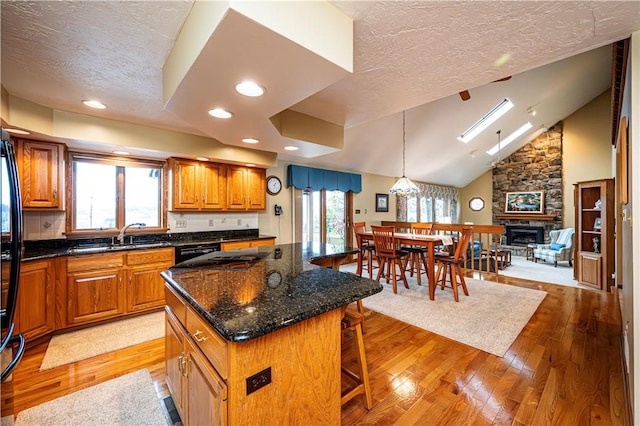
pixel 518 235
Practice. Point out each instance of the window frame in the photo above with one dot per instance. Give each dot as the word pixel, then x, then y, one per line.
pixel 418 213
pixel 121 163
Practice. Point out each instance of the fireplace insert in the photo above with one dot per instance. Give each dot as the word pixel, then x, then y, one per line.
pixel 518 235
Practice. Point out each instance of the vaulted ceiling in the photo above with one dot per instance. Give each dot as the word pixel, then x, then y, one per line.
pixel 347 65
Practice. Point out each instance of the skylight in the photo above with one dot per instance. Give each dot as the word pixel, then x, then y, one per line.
pixel 486 120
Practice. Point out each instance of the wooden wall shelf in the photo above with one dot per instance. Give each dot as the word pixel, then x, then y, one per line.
pixel 524 216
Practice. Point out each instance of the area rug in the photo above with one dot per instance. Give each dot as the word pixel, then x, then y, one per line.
pixel 89 342
pixel 127 400
pixel 540 271
pixel 490 318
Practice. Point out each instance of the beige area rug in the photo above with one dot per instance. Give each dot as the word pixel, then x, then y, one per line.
pixel 490 318
pixel 541 271
pixel 89 342
pixel 127 400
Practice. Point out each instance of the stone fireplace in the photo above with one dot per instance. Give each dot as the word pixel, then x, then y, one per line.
pixel 536 166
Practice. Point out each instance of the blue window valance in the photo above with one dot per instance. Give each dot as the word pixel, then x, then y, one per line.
pixel 307 177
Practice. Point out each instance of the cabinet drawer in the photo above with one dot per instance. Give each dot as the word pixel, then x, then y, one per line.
pixel 94 261
pixel 144 257
pixel 176 304
pixel 210 343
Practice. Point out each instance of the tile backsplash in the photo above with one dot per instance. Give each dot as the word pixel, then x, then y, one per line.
pixel 201 222
pixel 43 225
pixel 50 225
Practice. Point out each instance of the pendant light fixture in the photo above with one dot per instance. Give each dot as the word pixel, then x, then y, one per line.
pixel 404 186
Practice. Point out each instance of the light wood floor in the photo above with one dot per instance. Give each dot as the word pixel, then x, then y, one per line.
pixel 564 369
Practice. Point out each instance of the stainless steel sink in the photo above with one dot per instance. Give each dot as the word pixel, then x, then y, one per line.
pixel 101 248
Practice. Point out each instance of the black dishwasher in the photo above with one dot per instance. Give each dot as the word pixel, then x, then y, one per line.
pixel 190 251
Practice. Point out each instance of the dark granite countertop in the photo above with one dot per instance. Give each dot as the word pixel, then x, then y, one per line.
pixel 263 289
pixel 45 249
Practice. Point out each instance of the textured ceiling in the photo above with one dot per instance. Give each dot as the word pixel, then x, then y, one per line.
pixel 412 56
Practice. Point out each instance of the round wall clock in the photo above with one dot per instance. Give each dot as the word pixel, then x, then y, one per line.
pixel 274 185
pixel 476 204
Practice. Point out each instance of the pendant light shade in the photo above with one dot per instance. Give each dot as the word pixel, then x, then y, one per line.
pixel 404 186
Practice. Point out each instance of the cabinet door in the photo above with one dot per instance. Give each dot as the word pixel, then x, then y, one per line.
pixel 94 295
pixel 41 174
pixel 174 355
pixel 236 188
pixel 186 185
pixel 145 287
pixel 213 186
pixel 34 315
pixel 590 272
pixel 256 189
pixel 207 393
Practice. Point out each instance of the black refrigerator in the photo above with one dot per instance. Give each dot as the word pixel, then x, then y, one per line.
pixel 11 250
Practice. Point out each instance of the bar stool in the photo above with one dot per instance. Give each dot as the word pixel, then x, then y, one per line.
pixel 352 321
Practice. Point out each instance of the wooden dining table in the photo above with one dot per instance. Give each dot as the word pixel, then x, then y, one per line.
pixel 428 241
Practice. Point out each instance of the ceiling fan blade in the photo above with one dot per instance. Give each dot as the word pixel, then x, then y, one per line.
pixel 502 79
pixel 464 95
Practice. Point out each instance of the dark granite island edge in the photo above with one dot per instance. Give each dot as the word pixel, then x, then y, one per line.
pixel 278 288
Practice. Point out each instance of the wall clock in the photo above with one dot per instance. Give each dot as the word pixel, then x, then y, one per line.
pixel 274 185
pixel 476 204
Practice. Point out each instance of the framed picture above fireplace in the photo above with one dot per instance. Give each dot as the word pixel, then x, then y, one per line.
pixel 530 202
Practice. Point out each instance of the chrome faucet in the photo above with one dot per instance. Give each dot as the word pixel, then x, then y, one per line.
pixel 120 237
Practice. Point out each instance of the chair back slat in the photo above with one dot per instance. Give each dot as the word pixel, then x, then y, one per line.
pixel 384 239
pixel 463 244
pixel 359 228
pixel 423 228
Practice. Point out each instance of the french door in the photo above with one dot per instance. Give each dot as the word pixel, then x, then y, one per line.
pixel 325 217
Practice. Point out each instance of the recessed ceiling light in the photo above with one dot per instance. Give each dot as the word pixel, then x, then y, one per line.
pixel 220 113
pixel 121 152
pixel 291 148
pixel 250 165
pixel 250 140
pixel 94 104
pixel 18 132
pixel 202 158
pixel 250 88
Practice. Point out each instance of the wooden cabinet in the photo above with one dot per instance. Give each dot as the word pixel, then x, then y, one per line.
pixel 234 245
pixel 209 376
pixel 94 287
pixel 34 315
pixel 96 284
pixel 246 188
pixel 198 391
pixel 197 185
pixel 41 168
pixel 594 201
pixel 145 286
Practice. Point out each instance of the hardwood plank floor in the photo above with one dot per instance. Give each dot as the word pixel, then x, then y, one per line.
pixel 565 368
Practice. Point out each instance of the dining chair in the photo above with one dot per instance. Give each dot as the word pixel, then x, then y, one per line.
pixel 418 254
pixel 390 255
pixel 453 264
pixel 366 250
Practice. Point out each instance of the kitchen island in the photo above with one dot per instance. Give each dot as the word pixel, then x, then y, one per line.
pixel 253 336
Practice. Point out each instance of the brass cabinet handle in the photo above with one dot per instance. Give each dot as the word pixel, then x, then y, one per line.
pixel 55 192
pixel 198 336
pixel 183 367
